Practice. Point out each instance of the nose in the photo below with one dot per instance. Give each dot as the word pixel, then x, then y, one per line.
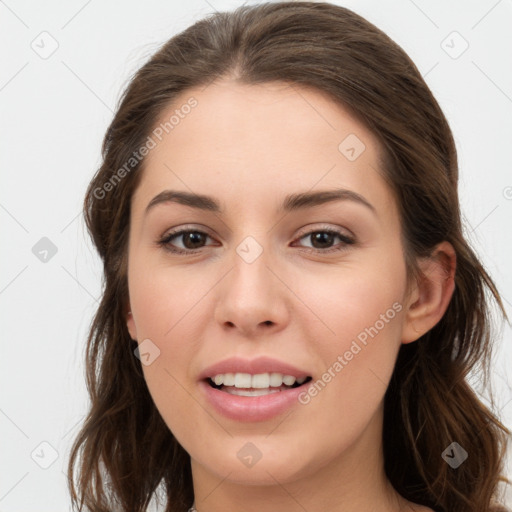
pixel 252 298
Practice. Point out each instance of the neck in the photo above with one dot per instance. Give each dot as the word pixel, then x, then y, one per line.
pixel 350 482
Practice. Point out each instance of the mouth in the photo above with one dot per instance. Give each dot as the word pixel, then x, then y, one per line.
pixel 253 390
pixel 252 385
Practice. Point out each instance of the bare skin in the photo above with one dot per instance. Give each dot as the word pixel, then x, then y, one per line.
pixel 248 147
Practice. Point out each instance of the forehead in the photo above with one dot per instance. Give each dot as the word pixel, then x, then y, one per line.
pixel 260 140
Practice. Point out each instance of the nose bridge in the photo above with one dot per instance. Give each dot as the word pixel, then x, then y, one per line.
pixel 251 295
pixel 250 280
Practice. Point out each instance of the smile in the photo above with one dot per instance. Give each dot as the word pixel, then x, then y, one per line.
pixel 245 384
pixel 249 390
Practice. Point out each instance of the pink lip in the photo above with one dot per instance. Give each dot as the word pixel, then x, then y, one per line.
pixel 253 366
pixel 251 408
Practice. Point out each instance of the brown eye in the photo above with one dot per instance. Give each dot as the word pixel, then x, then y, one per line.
pixel 190 239
pixel 322 240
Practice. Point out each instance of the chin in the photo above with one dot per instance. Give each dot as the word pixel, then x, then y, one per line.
pixel 255 461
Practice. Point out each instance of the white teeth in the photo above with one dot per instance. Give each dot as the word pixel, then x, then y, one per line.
pixel 258 381
pixel 228 379
pixel 276 379
pixel 288 380
pixel 261 380
pixel 243 380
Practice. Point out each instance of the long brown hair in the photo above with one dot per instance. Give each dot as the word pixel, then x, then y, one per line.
pixel 125 451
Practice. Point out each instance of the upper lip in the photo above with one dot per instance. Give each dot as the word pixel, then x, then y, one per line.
pixel 252 366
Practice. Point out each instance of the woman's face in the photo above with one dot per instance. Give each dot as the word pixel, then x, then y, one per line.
pixel 274 280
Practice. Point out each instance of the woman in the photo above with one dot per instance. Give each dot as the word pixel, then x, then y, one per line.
pixel 238 363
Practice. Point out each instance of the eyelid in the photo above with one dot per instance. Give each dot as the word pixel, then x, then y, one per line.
pixel 184 229
pixel 187 228
pixel 349 238
pixel 304 231
pixel 325 227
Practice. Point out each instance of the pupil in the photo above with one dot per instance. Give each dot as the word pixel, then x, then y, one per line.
pixel 193 235
pixel 322 238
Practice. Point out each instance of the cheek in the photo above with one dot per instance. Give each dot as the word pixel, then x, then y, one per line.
pixel 357 331
pixel 164 301
pixel 166 308
pixel 349 299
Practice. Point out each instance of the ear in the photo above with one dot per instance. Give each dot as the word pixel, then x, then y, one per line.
pixel 130 322
pixel 432 292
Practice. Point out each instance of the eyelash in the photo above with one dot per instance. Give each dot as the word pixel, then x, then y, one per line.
pixel 165 241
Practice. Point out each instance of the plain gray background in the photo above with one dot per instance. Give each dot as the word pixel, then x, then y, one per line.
pixel 64 65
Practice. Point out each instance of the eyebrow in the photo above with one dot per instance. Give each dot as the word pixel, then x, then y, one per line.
pixel 291 202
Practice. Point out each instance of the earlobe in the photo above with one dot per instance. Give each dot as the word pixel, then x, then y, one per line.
pixel 432 293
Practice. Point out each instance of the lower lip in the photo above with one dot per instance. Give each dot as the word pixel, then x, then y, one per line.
pixel 251 408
